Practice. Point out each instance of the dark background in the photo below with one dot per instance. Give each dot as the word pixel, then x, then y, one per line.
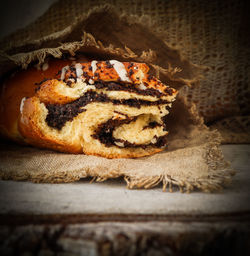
pixel 17 14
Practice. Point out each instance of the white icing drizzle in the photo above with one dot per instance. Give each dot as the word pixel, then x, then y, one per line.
pixel 120 69
pixel 21 104
pixel 45 66
pixel 79 70
pixel 64 69
pixel 93 66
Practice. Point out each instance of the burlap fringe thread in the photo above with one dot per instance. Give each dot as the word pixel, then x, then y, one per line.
pixel 220 173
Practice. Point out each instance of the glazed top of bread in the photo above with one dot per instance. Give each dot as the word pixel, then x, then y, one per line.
pixel 113 70
pixel 22 84
pixel 90 73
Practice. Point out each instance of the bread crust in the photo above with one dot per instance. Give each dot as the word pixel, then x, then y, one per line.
pixel 19 85
pixel 31 126
pixel 34 135
pixel 49 95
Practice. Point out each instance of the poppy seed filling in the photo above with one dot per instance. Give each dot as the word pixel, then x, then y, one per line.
pixel 59 114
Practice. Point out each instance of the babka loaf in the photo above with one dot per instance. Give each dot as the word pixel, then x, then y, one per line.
pixel 105 108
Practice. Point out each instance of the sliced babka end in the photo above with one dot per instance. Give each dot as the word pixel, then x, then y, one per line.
pixel 115 117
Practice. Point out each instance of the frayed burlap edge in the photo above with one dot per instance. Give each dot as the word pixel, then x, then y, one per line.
pixel 220 173
pixel 88 42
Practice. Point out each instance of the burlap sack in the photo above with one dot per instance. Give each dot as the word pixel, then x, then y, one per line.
pixel 193 158
pixel 214 34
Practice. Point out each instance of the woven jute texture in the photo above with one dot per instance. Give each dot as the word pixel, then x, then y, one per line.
pixel 132 31
pixel 214 34
pixel 192 161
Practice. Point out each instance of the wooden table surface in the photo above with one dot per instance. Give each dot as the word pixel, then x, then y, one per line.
pixel 112 196
pixel 84 218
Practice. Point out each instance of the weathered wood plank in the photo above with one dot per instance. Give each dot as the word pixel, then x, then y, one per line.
pixel 111 197
pixel 150 238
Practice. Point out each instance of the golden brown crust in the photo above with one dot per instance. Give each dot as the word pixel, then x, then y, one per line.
pixel 34 135
pixel 29 123
pixel 48 95
pixel 139 153
pixel 21 84
pixel 105 71
pixel 137 73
